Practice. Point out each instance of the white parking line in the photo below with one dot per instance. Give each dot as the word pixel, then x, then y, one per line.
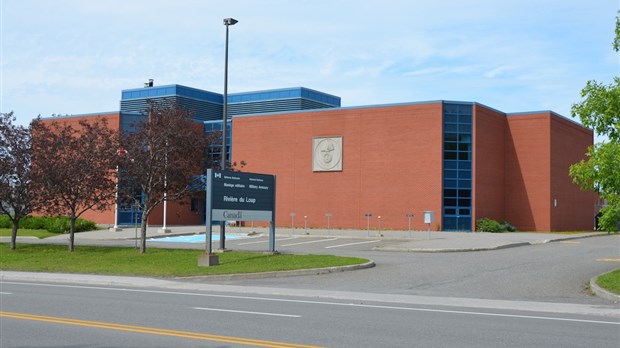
pixel 246 312
pixel 266 240
pixel 312 241
pixel 356 243
pixel 6 293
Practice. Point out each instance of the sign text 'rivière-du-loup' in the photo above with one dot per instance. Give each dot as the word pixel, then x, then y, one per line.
pixel 242 196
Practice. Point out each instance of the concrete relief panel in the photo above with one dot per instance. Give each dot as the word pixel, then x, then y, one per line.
pixel 327 154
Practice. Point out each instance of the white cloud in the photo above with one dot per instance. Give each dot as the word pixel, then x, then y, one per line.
pixel 73 56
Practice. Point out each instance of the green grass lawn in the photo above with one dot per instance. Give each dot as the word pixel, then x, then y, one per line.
pixel 610 281
pixel 6 232
pixel 155 262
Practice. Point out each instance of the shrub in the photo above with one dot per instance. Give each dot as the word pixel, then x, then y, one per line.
pixel 5 222
pixel 53 224
pixel 34 222
pixel 487 225
pixel 507 226
pixel 493 226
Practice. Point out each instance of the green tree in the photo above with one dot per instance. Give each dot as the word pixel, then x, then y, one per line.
pixel 73 167
pixel 600 172
pixel 162 157
pixel 15 172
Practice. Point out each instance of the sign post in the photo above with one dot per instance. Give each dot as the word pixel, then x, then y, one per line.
pixel 293 223
pixel 368 216
pixel 429 217
pixel 328 215
pixel 409 217
pixel 241 197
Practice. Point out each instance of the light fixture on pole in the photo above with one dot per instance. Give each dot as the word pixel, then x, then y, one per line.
pixel 227 22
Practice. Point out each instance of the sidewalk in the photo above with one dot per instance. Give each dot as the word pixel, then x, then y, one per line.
pixel 404 241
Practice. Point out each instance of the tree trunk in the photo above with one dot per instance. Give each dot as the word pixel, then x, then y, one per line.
pixel 143 232
pixel 14 234
pixel 71 232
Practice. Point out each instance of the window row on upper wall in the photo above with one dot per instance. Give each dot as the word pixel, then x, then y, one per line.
pixel 461 128
pixel 457 193
pixel 464 119
pixel 452 146
pixel 454 164
pixel 458 109
pixel 460 184
pixel 454 174
pixel 459 138
pixel 453 202
pixel 454 155
pixel 455 211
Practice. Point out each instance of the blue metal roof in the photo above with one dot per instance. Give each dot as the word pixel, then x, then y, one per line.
pixel 171 90
pixel 284 93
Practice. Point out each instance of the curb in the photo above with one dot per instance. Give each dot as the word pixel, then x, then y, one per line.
pixel 452 250
pixel 602 293
pixel 111 280
pixel 282 274
pixel 496 247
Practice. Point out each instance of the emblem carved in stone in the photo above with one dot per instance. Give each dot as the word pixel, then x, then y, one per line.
pixel 327 154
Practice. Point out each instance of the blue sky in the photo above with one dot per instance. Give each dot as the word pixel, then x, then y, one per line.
pixel 75 56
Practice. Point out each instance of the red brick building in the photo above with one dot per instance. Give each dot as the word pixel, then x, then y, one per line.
pixel 463 161
pixel 395 161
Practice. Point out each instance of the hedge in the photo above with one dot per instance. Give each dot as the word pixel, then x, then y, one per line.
pixel 53 224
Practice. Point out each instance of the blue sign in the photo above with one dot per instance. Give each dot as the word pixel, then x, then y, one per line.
pixel 241 196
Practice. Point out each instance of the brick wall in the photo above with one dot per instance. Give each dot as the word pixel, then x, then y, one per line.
pixel 571 208
pixel 392 164
pixel 99 217
pixel 488 169
pixel 528 172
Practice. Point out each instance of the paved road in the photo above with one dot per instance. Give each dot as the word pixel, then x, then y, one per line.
pixel 56 315
pixel 553 272
pixel 527 296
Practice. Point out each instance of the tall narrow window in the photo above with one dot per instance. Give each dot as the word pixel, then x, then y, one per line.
pixel 457 154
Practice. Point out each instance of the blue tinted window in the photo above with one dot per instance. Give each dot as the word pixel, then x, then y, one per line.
pixel 465 128
pixel 466 119
pixel 449 183
pixel 450 127
pixel 450 137
pixel 464 183
pixel 465 165
pixel 450 109
pixel 457 154
pixel 449 193
pixel 451 119
pixel 449 164
pixel 449 224
pixel 464 193
pixel 465 109
pixel 450 146
pixel 465 174
pixel 450 174
pixel 449 155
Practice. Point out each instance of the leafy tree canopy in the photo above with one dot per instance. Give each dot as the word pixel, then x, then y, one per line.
pixel 600 110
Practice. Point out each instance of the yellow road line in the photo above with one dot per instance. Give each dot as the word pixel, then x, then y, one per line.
pixel 153 331
pixel 609 260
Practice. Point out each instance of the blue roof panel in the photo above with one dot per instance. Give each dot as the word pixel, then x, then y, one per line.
pixel 171 90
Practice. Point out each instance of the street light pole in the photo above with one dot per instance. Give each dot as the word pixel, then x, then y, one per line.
pixel 227 22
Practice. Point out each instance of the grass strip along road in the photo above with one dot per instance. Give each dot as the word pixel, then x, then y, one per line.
pixel 155 262
pixel 152 331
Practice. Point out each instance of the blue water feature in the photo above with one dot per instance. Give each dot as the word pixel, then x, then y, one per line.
pixel 194 238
